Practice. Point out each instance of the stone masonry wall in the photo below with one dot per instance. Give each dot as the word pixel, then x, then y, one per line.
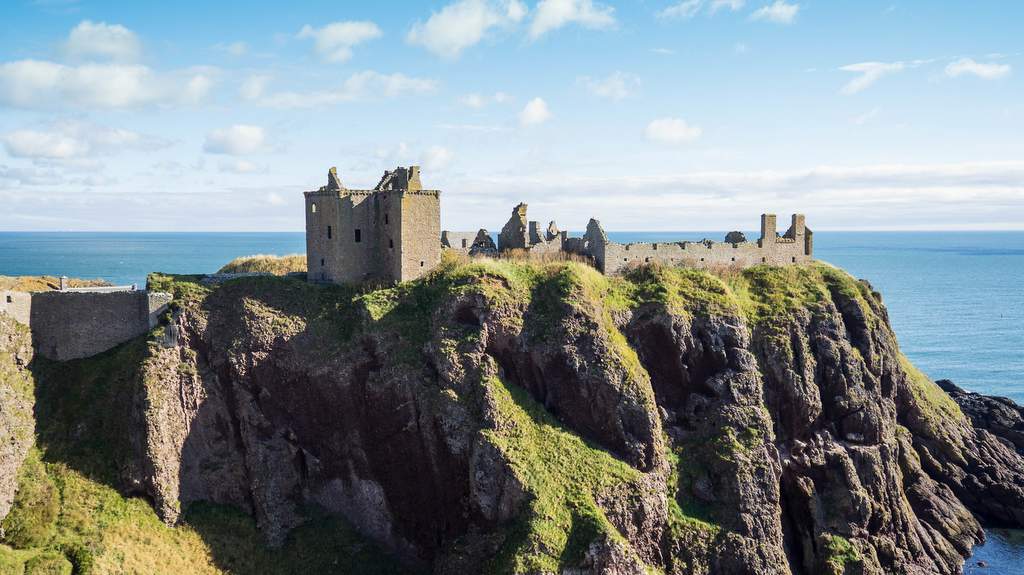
pixel 72 325
pixel 421 232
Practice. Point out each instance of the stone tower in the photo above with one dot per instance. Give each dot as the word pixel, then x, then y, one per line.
pixel 390 233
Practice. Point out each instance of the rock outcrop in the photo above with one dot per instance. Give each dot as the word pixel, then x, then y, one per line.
pixel 542 418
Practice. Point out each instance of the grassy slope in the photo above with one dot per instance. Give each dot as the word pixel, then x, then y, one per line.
pixel 559 470
pixel 261 263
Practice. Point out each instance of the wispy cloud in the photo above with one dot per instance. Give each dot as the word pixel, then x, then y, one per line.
pixel 687 9
pixel 779 12
pixel 553 14
pixel 367 85
pixel 672 131
pixel 870 72
pixel 986 71
pixel 335 41
pixel 43 84
pixel 615 86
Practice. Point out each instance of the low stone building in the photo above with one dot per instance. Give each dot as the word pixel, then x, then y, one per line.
pixel 389 233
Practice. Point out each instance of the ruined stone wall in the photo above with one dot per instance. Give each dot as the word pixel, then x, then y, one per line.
pixel 421 230
pixel 321 212
pixel 72 325
pixel 796 246
pixel 16 304
pixel 458 241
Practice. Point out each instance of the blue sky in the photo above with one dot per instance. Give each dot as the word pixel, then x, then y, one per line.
pixel 649 115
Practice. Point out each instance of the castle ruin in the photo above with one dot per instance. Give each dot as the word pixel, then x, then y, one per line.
pixel 392 233
pixel 796 245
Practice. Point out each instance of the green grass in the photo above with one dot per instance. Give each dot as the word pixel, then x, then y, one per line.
pixel 562 474
pixel 838 553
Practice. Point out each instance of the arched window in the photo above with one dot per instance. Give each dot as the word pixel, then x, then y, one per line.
pixel 312 207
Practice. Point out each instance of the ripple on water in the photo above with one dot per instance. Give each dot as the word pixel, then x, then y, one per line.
pixel 1002 554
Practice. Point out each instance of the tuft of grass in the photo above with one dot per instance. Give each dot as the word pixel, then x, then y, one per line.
pixel 264 263
pixel 562 473
pixel 838 553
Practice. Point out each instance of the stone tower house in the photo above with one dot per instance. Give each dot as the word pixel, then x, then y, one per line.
pixel 390 233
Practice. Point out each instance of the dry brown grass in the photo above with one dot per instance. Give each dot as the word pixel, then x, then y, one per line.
pixel 45 283
pixel 268 264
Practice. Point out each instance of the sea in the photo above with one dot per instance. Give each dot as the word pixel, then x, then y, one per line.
pixel 955 299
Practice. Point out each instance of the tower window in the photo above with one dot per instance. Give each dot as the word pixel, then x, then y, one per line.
pixel 10 299
pixel 463 242
pixel 328 232
pixel 422 263
pixel 321 262
pixel 312 207
pixel 385 219
pixel 359 236
pixel 391 243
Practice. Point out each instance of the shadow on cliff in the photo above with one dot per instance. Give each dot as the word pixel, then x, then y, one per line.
pixel 84 413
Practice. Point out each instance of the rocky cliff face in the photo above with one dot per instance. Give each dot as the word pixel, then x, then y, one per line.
pixel 516 418
pixel 16 401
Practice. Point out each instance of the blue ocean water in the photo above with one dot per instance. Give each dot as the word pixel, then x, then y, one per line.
pixel 955 299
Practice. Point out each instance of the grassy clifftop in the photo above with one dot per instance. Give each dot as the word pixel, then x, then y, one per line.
pixel 71 511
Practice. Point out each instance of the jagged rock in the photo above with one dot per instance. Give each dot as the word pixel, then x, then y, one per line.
pixel 999 416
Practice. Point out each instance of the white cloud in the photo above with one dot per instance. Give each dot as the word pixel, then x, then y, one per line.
pixel 478 101
pixel 869 73
pixel 866 117
pixel 969 66
pixel 67 140
pixel 554 14
pixel 462 24
pixel 276 199
pixel 236 140
pixel 254 86
pixel 687 9
pixel 436 158
pixel 778 12
pixel 367 85
pixel 98 39
pixel 240 167
pixel 616 86
pixel 673 131
pixel 234 48
pixel 334 42
pixel 535 112
pixel 42 84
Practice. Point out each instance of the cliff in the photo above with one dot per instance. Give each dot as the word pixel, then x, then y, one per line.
pixel 504 417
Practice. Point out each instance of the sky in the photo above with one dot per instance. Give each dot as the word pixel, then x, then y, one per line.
pixel 646 114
